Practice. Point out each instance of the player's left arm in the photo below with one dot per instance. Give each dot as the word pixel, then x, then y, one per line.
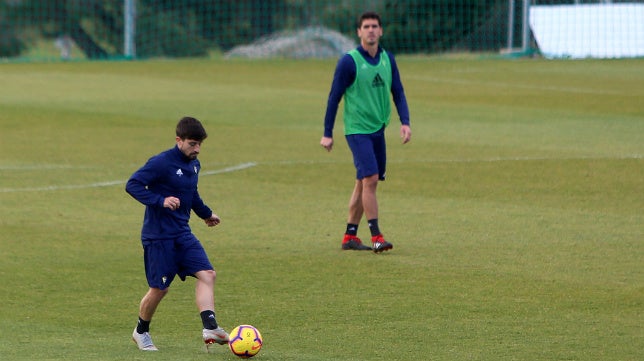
pixel 203 211
pixel 213 220
pixel 400 100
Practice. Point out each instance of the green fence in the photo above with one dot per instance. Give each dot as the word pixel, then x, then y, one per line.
pixel 116 29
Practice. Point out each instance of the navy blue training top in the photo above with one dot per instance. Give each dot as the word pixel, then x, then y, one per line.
pixel 345 74
pixel 170 173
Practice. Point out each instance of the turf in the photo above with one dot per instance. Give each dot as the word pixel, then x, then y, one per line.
pixel 516 211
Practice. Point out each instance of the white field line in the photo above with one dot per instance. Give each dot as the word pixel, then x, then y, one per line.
pixel 230 169
pixel 242 166
pixel 111 183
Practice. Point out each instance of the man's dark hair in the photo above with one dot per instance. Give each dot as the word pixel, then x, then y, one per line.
pixel 369 15
pixel 191 128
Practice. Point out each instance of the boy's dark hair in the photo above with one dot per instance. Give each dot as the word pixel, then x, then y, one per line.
pixel 369 15
pixel 191 128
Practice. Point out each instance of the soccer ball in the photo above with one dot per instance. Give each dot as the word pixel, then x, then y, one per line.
pixel 245 341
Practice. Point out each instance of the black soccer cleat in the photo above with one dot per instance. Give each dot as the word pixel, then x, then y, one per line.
pixel 354 243
pixel 380 245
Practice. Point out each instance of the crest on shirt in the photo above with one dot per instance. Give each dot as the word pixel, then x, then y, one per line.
pixel 179 172
pixel 195 169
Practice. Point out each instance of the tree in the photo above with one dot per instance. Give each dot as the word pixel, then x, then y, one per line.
pixel 164 27
pixel 10 43
pixel 52 18
pixel 433 25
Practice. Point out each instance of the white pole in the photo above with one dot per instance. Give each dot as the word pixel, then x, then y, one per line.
pixel 526 26
pixel 129 32
pixel 510 24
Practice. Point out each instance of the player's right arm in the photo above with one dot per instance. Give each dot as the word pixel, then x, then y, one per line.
pixel 345 74
pixel 138 185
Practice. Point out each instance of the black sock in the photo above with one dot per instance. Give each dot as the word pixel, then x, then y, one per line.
pixel 208 319
pixel 142 326
pixel 352 229
pixel 373 227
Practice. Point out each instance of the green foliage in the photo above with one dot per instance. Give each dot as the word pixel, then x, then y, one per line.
pixel 197 27
pixel 165 28
pixel 432 26
pixel 170 37
pixel 10 44
pixel 516 212
pixel 93 25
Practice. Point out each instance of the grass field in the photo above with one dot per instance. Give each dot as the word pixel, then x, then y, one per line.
pixel 516 212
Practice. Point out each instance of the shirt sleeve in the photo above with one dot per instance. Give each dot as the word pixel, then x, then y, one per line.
pixel 398 92
pixel 199 207
pixel 137 185
pixel 345 74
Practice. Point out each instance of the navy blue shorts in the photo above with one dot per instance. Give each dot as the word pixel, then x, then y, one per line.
pixel 164 259
pixel 369 154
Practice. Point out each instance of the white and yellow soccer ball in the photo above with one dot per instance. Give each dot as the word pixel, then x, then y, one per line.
pixel 245 341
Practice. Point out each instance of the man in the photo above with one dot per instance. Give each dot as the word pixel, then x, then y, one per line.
pixel 365 76
pixel 167 186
